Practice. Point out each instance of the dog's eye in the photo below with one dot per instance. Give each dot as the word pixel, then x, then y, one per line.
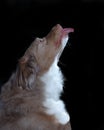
pixel 41 40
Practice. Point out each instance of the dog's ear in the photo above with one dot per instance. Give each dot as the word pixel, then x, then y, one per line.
pixel 26 72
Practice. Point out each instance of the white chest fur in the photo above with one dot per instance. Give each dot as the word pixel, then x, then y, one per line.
pixel 53 86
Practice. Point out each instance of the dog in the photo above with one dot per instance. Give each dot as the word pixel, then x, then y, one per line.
pixel 30 99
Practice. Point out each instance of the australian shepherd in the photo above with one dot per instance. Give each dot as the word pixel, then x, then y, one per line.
pixel 30 100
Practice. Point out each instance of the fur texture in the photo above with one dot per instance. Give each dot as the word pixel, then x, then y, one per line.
pixel 30 100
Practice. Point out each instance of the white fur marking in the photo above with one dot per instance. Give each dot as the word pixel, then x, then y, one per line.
pixel 53 87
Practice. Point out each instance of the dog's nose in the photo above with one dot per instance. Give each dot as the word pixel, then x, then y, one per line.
pixel 58 26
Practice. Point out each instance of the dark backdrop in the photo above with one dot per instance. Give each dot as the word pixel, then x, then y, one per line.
pixel 82 59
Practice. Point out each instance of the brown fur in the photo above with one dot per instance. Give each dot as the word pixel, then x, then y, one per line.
pixel 22 96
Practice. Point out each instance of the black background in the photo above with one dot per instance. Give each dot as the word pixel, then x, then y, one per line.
pixel 82 60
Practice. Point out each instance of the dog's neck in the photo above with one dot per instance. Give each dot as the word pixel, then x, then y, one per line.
pixel 53 87
pixel 53 82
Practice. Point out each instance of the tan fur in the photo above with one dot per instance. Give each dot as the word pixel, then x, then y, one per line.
pixel 22 96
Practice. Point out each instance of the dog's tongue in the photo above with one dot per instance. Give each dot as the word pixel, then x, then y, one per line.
pixel 67 30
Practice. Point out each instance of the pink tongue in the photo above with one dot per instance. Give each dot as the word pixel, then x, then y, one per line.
pixel 67 30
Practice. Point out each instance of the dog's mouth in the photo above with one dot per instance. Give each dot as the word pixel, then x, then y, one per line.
pixel 57 34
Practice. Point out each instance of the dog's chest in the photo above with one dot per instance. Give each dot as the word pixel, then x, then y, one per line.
pixel 53 86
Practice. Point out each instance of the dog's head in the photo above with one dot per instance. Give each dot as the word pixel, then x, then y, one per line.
pixel 41 54
pixel 46 49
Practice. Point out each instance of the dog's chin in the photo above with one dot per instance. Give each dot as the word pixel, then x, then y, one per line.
pixel 62 46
